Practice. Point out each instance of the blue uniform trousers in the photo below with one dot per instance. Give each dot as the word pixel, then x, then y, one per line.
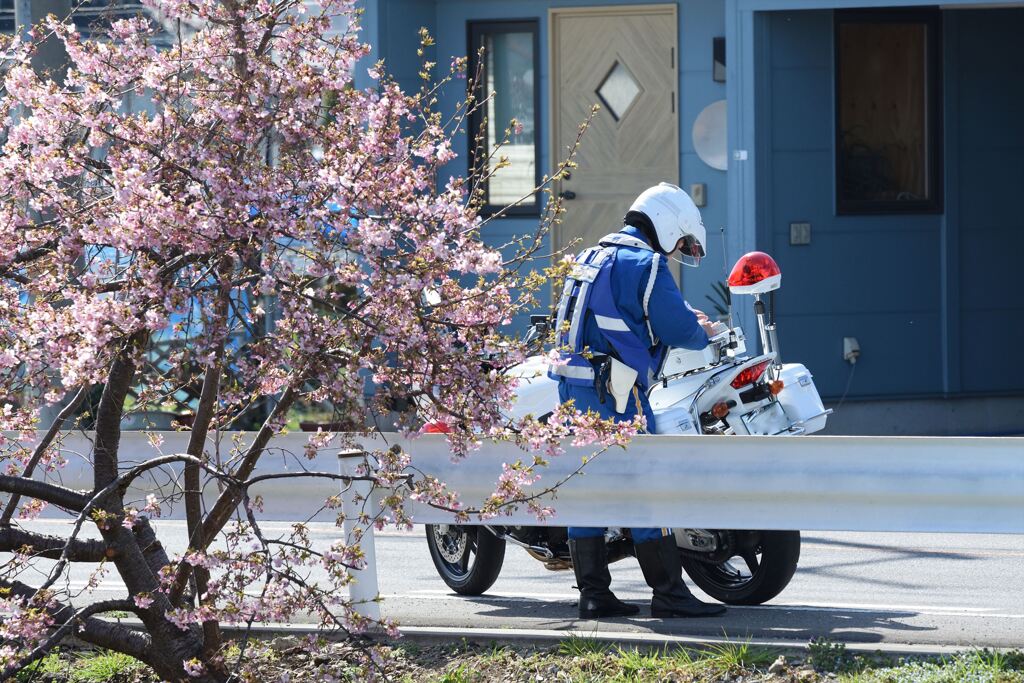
pixel 585 398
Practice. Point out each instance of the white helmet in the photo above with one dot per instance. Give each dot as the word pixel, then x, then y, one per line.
pixel 674 217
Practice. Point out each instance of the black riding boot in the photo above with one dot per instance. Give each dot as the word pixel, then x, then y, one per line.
pixel 590 563
pixel 659 561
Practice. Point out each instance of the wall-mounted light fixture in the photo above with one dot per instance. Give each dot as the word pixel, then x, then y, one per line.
pixel 718 55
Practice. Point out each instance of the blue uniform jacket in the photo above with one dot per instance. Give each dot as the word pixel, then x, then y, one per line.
pixel 672 321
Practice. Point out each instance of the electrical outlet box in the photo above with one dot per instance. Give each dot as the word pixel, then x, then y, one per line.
pixel 699 194
pixel 799 233
pixel 851 350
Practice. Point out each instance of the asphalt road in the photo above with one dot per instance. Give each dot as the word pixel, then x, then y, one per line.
pixel 939 590
pixel 858 588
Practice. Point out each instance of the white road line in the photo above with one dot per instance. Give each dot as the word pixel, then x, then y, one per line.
pixel 804 607
pixel 919 610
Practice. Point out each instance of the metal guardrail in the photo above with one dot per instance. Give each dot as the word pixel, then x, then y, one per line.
pixel 834 483
pixel 908 484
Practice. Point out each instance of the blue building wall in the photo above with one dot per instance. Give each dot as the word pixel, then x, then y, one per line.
pixel 928 296
pixel 989 95
pixel 393 25
pixel 918 291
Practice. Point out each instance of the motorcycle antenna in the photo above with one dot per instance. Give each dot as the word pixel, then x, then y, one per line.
pixel 725 271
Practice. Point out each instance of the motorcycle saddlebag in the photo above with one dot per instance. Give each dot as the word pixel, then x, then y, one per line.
pixel 800 400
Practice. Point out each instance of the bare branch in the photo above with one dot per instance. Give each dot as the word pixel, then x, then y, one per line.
pixel 44 443
pixel 82 624
pixel 99 500
pixel 52 547
pixel 111 408
pixel 229 499
pixel 45 491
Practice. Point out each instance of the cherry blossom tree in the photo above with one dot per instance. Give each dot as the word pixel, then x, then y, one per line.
pixel 265 236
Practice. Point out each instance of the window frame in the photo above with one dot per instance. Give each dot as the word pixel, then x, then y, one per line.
pixel 931 17
pixel 476 31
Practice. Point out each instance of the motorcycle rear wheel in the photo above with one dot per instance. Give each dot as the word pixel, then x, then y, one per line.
pixel 762 567
pixel 468 558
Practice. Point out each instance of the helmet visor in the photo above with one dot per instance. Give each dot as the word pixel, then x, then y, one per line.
pixel 690 251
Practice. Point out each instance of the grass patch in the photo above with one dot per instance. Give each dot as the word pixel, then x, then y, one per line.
pixel 829 656
pixel 460 674
pixel 577 659
pixel 50 665
pixel 109 667
pixel 634 664
pixel 980 666
pixel 730 657
pixel 84 667
pixel 580 646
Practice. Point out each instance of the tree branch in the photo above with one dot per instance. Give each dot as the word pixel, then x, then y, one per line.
pixel 108 415
pixel 230 497
pixel 45 491
pixel 52 547
pixel 197 439
pixel 96 631
pixel 37 455
pixel 99 501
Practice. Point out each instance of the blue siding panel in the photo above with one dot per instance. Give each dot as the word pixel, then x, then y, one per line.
pixel 843 273
pixel 990 338
pixel 991 235
pixel 801 187
pixel 801 40
pixel 876 278
pixel 991 275
pixel 801 104
pixel 991 175
pixel 900 354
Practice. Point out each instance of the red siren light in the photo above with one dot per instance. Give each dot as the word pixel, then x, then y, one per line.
pixel 755 273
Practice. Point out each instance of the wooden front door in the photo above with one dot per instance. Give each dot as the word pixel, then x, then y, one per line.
pixel 623 59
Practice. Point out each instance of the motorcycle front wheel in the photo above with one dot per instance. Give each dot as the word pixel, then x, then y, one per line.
pixel 762 566
pixel 468 558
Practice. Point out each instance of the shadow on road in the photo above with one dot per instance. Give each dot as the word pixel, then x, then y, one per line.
pixel 904 553
pixel 779 622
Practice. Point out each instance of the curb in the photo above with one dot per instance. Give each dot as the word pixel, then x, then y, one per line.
pixel 544 636
pixel 439 635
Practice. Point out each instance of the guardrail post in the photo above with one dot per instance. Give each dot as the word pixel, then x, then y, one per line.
pixel 363 590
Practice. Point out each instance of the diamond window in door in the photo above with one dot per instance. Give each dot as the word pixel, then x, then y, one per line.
pixel 618 90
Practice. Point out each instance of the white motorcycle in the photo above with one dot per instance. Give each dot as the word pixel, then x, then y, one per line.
pixel 718 390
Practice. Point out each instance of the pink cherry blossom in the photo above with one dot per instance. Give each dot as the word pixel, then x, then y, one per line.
pixel 253 245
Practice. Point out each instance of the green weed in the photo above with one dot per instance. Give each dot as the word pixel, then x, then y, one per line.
pixel 634 664
pixel 460 674
pixel 734 656
pixel 829 656
pixel 50 664
pixel 110 667
pixel 580 646
pixel 681 657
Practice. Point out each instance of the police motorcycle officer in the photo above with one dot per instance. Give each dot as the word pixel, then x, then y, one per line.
pixel 620 310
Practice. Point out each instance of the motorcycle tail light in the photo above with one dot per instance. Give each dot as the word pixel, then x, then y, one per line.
pixel 720 410
pixel 436 428
pixel 776 387
pixel 749 375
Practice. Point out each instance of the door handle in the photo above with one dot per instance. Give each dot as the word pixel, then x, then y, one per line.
pixel 567 195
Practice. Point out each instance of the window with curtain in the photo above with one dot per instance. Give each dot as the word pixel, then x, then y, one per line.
pixel 508 74
pixel 888 111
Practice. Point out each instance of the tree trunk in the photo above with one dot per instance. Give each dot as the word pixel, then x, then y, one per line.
pixel 171 646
